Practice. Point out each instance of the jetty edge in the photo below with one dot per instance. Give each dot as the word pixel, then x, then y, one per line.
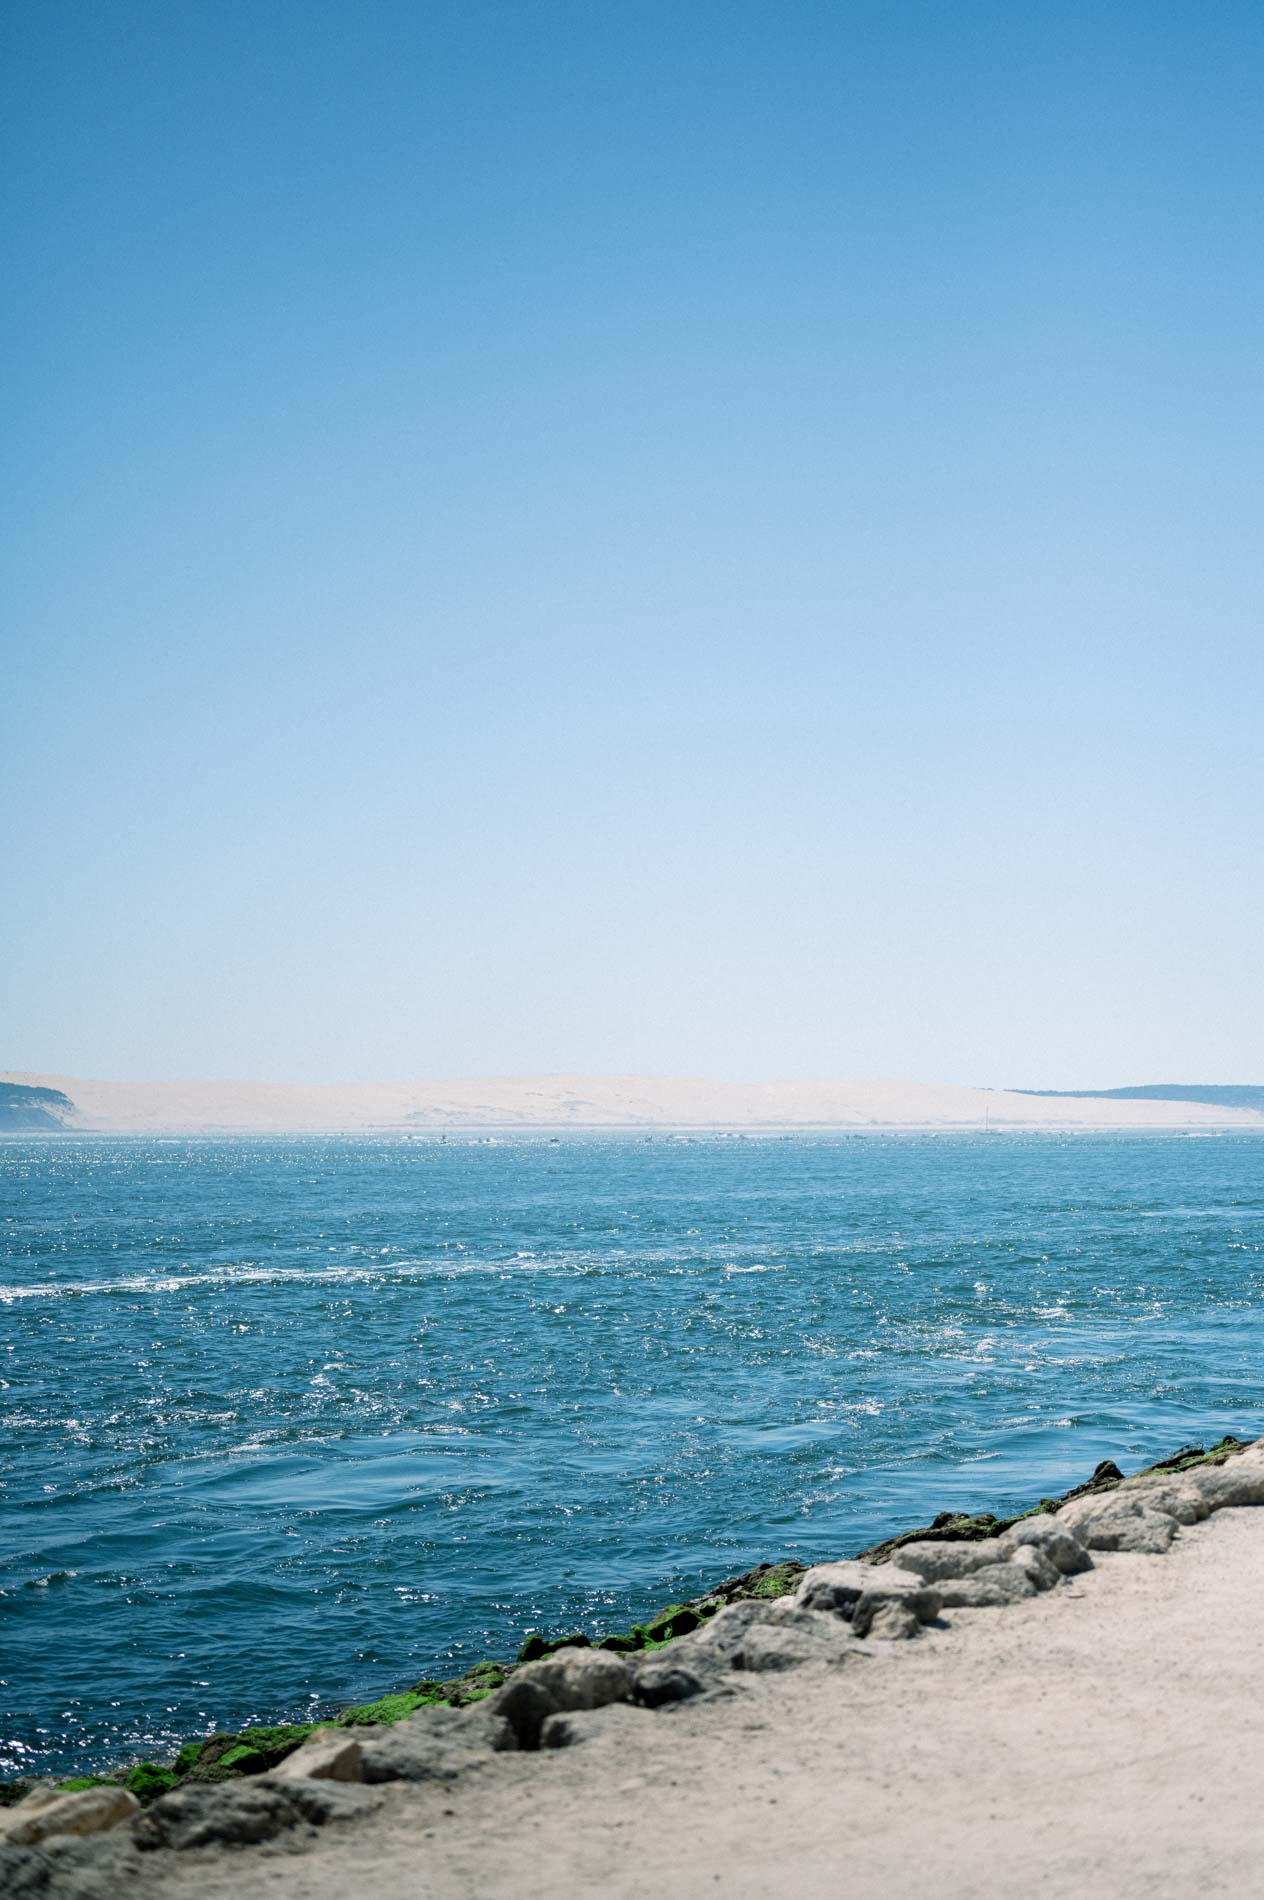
pixel 292 1778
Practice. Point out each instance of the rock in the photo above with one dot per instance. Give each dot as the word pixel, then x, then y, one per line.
pixel 1120 1522
pixel 1056 1540
pixel 1036 1566
pixel 678 1619
pixel 571 1679
pixel 1175 1497
pixel 569 1729
pixel 855 1591
pixel 224 1756
pixel 148 1779
pixel 724 1634
pixel 955 1526
pixel 84 1811
pixel 319 1802
pixel 328 1754
pixel 24 1875
pixel 924 1604
pixel 1150 1531
pixel 1105 1477
pixel 579 1678
pixel 934 1560
pixel 1239 1480
pixel 482 1727
pixel 663 1680
pixel 11 1792
pixel 70 1867
pixel 238 1813
pixel 436 1744
pixel 893 1622
pixel 990 1589
pixel 212 1814
pixel 535 1646
pixel 764 1581
pixel 794 1638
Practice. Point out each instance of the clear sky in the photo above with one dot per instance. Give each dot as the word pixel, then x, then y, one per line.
pixel 715 538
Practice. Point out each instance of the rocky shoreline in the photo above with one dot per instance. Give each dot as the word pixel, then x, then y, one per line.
pixel 76 1835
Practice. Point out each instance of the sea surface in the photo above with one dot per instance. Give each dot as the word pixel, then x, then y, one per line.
pixel 285 1424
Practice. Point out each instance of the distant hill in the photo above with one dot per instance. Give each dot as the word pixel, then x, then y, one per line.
pixel 27 1111
pixel 1213 1094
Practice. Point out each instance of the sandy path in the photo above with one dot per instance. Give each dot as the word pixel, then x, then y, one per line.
pixel 1106 1740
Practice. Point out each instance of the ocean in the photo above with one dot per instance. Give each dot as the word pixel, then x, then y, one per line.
pixel 289 1423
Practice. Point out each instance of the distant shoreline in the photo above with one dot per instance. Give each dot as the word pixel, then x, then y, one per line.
pixel 552 1105
pixel 688 1132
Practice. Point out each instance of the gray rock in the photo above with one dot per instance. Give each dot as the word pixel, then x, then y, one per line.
pixel 1165 1491
pixel 328 1754
pixel 1115 1522
pixel 1238 1481
pixel 1035 1565
pixel 24 1874
pixel 239 1813
pixel 216 1814
pixel 672 1677
pixel 581 1678
pixel 97 1867
pixel 435 1744
pixel 923 1602
pixel 724 1634
pixel 319 1802
pixel 990 1589
pixel 1048 1534
pixel 46 1812
pixel 934 1559
pixel 794 1638
pixel 569 1729
pixel 483 1727
pixel 893 1622
pixel 570 1679
pixel 856 1591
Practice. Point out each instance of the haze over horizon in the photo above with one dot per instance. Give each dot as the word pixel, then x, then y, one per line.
pixel 717 540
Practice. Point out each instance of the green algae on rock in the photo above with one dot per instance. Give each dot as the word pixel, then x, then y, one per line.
pixel 251 1751
pixel 388 1709
pixel 148 1780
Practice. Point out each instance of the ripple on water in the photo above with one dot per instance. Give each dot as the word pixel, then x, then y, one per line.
pixel 292 1422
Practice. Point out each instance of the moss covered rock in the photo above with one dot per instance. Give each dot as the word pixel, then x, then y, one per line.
pixel 224 1756
pixel 1190 1456
pixel 678 1619
pixel 476 1684
pixel 775 1580
pixel 537 1647
pixel 388 1709
pixel 626 1645
pixel 148 1780
pixel 188 1757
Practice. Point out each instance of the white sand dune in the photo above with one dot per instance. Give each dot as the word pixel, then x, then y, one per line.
pixel 599 1101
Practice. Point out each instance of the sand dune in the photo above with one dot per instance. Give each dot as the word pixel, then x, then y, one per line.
pixel 592 1101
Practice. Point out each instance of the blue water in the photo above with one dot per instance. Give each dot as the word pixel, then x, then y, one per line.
pixel 289 1423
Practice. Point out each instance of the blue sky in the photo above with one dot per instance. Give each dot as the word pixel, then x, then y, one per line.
pixel 696 538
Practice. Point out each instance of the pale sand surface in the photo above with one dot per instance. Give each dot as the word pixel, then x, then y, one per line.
pixel 598 1101
pixel 1105 1740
